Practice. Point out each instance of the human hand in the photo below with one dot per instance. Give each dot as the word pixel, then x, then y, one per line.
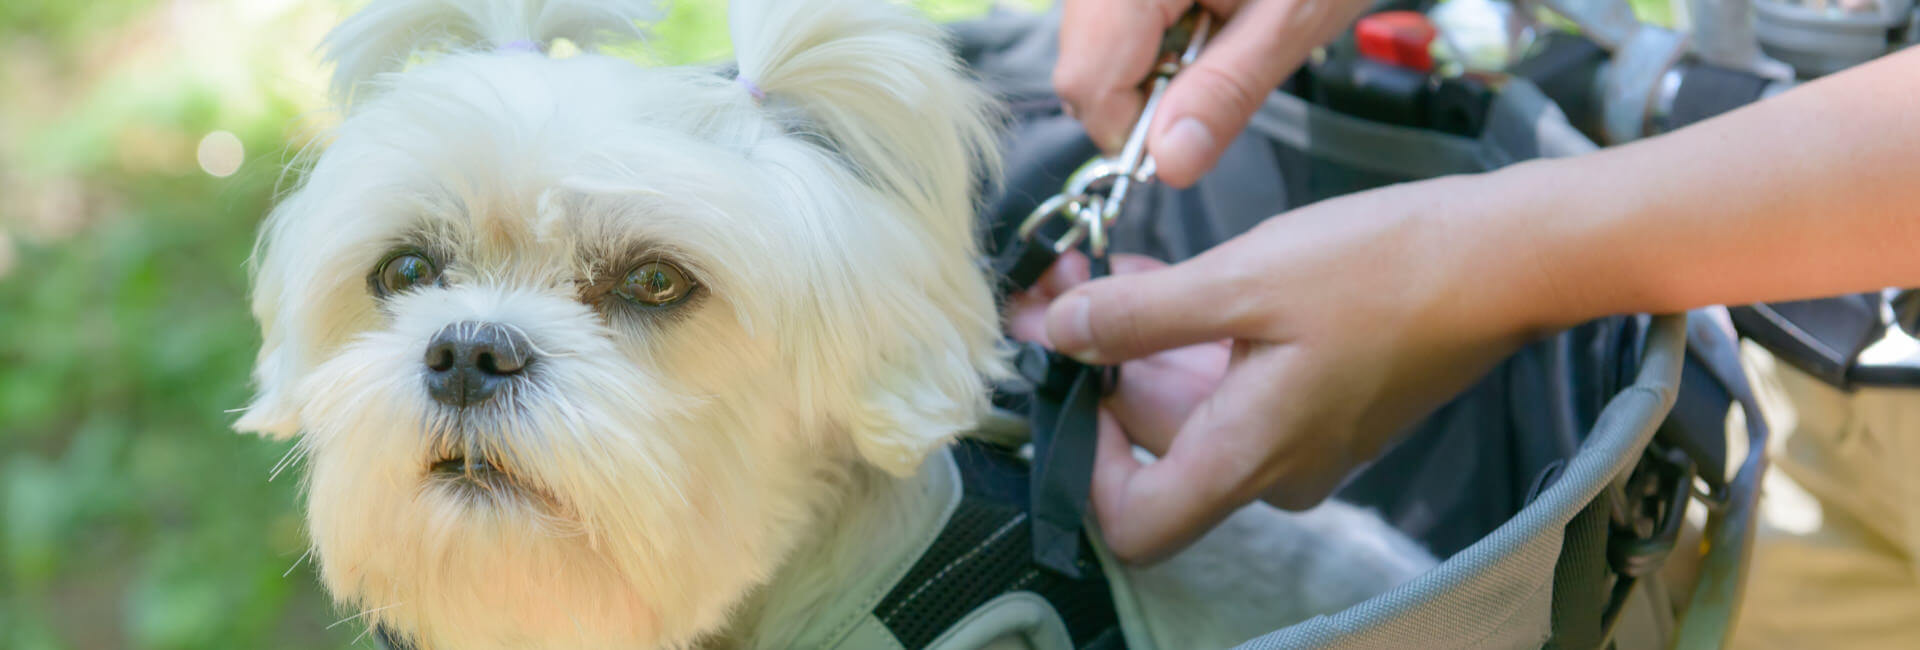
pixel 1156 391
pixel 1107 47
pixel 1348 320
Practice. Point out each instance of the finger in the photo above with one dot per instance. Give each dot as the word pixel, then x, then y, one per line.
pixel 1113 463
pixel 1210 101
pixel 1126 317
pixel 1158 393
pixel 1027 310
pixel 1106 48
pixel 1278 409
pixel 1071 270
pixel 1150 511
pixel 1216 464
pixel 1027 317
pixel 1124 263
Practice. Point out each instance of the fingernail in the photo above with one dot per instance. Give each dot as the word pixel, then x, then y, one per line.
pixel 1185 143
pixel 1076 337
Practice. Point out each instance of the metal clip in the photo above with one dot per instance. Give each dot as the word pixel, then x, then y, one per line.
pixel 1095 193
pixel 1175 55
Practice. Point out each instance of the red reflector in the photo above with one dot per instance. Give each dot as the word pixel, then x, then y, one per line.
pixel 1399 38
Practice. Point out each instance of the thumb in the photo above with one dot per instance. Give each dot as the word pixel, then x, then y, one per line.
pixel 1210 101
pixel 1124 317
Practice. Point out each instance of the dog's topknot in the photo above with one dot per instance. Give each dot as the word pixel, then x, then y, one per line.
pixel 385 35
pixel 871 76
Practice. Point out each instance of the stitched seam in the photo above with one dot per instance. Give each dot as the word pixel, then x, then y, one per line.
pixel 964 557
pixel 1025 579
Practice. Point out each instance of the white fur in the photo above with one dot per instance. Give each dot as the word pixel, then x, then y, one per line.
pixel 668 464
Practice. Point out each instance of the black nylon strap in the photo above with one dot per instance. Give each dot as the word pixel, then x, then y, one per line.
pixel 1020 264
pixel 1582 581
pixel 1063 408
pixel 1065 436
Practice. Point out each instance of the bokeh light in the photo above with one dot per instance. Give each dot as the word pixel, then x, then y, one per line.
pixel 220 154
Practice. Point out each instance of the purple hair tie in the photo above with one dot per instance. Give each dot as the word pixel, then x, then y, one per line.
pixel 752 89
pixel 521 45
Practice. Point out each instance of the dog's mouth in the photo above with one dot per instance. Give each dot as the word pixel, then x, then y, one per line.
pixel 461 465
pixel 471 472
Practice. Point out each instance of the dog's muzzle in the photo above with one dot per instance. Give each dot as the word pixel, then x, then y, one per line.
pixel 467 362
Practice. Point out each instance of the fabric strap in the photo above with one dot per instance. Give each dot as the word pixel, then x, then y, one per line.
pixel 984 552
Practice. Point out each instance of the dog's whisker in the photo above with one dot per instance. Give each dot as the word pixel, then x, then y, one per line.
pixel 293 457
pixel 357 638
pixel 578 629
pixel 513 349
pixel 648 462
pixel 297 561
pixel 520 335
pixel 363 612
pixel 274 472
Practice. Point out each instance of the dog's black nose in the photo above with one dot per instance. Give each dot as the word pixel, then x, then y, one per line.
pixel 467 362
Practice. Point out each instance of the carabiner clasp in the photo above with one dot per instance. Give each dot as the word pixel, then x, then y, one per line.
pixel 1095 193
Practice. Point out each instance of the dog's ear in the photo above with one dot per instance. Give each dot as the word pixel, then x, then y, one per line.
pixel 279 367
pixel 876 87
pixel 881 85
pixel 272 412
pixel 387 34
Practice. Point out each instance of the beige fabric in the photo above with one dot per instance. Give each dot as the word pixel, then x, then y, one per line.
pixel 1837 559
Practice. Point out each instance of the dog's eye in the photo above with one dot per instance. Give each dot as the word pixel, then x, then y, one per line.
pixel 402 271
pixel 655 284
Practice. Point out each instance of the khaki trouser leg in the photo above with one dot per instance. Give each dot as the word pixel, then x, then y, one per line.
pixel 1837 559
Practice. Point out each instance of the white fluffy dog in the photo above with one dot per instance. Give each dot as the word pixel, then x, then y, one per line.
pixel 583 354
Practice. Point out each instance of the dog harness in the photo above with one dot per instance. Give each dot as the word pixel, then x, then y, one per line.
pixel 984 554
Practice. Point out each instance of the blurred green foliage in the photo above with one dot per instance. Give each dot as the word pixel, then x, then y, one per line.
pixel 130 515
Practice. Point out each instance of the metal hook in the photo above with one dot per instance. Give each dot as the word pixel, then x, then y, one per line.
pixel 1095 192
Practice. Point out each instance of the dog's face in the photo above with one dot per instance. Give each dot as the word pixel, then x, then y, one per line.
pixel 576 351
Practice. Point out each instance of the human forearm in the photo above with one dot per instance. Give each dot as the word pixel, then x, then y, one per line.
pixel 1807 194
pixel 1351 317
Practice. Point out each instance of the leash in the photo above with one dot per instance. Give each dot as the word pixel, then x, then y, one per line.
pixel 1065 403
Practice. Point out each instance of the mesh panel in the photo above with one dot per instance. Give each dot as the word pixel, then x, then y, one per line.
pixel 986 551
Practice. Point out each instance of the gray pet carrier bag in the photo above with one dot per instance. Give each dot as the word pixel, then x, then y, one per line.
pixel 1554 488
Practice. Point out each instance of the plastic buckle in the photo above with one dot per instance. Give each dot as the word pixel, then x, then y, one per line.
pixel 1646 526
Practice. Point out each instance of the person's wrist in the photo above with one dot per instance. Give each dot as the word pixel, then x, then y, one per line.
pixel 1514 260
pixel 1575 233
